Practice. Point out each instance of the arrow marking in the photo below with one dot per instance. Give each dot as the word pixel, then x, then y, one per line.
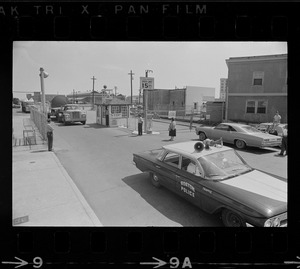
pixel 19 264
pixel 159 263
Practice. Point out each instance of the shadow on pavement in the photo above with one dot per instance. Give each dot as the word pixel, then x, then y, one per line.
pixel 171 205
pixel 254 150
pixel 38 151
pixel 96 126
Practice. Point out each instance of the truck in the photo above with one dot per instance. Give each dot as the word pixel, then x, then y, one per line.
pixel 71 113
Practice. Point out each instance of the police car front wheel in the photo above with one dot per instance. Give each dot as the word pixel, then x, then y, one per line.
pixel 155 180
pixel 232 219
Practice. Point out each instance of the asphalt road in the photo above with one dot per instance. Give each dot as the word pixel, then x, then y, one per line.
pixel 99 160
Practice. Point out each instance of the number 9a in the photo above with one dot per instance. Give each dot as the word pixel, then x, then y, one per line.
pixel 38 262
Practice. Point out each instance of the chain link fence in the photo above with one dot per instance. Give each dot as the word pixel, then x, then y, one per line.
pixel 40 121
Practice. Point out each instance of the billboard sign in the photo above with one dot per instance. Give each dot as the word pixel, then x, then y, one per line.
pixel 147 83
pixel 172 114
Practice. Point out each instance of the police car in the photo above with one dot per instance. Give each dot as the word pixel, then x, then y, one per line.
pixel 219 181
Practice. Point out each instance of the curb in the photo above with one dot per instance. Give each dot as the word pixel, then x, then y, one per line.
pixel 80 197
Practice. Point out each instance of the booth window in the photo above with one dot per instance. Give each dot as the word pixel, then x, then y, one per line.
pixel 124 111
pixel 115 109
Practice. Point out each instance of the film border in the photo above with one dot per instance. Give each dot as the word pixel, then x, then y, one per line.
pixel 149 247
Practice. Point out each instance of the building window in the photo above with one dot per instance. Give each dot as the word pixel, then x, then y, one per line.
pixel 124 111
pixel 258 77
pixel 115 109
pixel 256 107
pixel 261 107
pixel 250 107
pixel 257 81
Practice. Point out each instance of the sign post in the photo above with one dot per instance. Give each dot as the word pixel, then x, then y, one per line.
pixel 147 83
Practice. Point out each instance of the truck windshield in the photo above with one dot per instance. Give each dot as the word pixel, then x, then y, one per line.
pixel 71 107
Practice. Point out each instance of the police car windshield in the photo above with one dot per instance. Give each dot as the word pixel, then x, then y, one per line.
pixel 222 165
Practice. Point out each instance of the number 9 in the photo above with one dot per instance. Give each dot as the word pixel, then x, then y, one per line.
pixel 38 261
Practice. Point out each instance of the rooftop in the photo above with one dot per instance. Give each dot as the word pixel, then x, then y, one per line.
pixel 257 58
pixel 188 149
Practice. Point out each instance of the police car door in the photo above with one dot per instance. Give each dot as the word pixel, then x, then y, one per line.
pixel 189 181
pixel 168 169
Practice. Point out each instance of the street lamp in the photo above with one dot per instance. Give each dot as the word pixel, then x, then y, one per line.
pixel 43 75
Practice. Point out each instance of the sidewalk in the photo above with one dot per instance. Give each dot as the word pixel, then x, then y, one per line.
pixel 43 192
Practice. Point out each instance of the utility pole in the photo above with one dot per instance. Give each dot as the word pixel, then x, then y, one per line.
pixel 131 78
pixel 115 90
pixel 93 101
pixel 226 105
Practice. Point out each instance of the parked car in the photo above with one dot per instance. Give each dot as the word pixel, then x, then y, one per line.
pixel 72 113
pixel 53 113
pixel 241 135
pixel 274 129
pixel 16 105
pixel 219 181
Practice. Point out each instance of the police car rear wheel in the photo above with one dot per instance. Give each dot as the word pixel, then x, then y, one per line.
pixel 231 219
pixel 155 180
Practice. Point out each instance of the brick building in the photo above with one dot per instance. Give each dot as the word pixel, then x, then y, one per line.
pixel 183 101
pixel 257 88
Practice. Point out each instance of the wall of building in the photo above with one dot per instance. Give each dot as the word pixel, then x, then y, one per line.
pixel 158 100
pixel 214 110
pixel 237 109
pixel 199 95
pixel 273 91
pixel 240 77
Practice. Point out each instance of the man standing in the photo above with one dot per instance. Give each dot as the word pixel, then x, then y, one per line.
pixel 49 131
pixel 284 143
pixel 140 125
pixel 107 116
pixel 277 118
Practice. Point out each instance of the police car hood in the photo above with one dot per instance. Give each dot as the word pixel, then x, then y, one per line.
pixel 260 191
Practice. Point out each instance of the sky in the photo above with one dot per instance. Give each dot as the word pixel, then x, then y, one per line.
pixel 71 65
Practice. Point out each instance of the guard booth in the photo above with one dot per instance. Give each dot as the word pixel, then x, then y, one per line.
pixel 113 112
